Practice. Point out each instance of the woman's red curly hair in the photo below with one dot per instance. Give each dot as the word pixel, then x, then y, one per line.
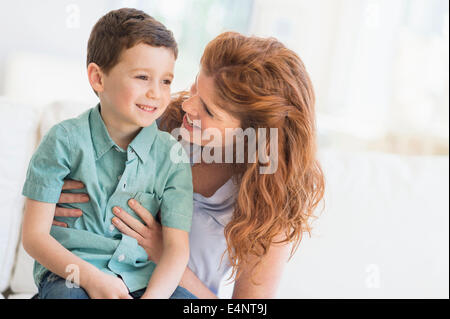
pixel 265 85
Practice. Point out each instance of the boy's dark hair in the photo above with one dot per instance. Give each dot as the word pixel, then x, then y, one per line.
pixel 122 29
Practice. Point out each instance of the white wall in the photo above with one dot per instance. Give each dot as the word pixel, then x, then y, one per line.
pixel 363 58
pixel 44 44
pixel 41 39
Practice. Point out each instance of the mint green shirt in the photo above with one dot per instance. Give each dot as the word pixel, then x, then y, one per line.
pixel 81 149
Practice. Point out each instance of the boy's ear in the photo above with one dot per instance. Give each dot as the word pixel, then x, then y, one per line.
pixel 95 76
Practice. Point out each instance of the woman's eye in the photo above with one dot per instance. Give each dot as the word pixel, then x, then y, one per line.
pixel 209 113
pixel 206 109
pixel 142 77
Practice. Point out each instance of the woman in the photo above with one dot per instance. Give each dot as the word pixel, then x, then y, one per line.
pixel 254 221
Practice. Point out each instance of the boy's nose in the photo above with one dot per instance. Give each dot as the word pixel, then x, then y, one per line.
pixel 154 91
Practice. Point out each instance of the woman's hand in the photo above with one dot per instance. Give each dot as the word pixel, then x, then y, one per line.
pixel 148 235
pixel 66 198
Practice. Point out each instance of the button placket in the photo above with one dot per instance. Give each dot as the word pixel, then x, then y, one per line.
pixel 123 180
pixel 130 168
pixel 131 154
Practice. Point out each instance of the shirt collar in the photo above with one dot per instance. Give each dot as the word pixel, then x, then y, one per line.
pixel 141 144
pixel 100 136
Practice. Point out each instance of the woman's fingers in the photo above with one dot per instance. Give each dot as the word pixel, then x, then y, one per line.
pixel 129 220
pixel 69 184
pixel 143 213
pixel 60 224
pixel 67 212
pixel 73 198
pixel 124 229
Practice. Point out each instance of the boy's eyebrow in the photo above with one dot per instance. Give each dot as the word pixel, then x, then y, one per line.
pixel 170 74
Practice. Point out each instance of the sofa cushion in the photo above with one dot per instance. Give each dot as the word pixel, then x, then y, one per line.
pixel 18 127
pixel 22 279
pixel 383 233
pixel 20 296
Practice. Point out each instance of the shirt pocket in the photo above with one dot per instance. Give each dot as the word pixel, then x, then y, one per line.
pixel 149 201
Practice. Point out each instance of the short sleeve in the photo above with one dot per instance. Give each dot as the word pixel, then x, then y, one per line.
pixel 48 167
pixel 177 199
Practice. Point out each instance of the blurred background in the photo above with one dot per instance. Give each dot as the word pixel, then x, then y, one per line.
pixel 380 67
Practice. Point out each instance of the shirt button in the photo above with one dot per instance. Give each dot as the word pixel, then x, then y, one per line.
pixel 124 185
pixel 111 228
pixel 121 257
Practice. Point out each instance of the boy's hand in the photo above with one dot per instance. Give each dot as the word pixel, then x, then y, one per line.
pixel 104 286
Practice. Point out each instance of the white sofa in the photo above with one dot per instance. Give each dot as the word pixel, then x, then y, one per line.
pixel 383 233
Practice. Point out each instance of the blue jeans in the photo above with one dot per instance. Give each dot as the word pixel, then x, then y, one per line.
pixel 54 287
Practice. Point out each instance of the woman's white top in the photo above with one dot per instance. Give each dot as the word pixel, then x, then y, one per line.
pixel 206 239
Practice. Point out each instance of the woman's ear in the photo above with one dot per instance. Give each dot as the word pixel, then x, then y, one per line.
pixel 95 76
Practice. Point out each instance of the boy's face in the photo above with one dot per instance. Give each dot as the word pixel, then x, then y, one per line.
pixel 136 91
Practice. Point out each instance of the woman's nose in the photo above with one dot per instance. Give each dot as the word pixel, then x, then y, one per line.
pixel 189 106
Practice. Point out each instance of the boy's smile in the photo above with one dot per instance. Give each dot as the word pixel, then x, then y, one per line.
pixel 136 91
pixel 147 108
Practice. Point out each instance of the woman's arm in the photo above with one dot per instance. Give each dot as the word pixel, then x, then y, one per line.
pixel 171 265
pixel 149 237
pixel 267 277
pixel 195 286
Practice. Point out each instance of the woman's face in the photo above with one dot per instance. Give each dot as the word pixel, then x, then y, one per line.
pixel 204 118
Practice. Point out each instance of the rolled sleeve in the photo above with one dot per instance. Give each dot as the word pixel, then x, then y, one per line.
pixel 177 200
pixel 48 167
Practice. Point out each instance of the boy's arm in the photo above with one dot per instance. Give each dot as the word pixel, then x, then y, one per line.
pixel 171 266
pixel 176 218
pixel 40 245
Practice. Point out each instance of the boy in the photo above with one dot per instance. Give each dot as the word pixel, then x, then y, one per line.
pixel 116 150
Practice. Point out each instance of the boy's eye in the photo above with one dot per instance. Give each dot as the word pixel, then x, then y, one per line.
pixel 142 77
pixel 167 82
